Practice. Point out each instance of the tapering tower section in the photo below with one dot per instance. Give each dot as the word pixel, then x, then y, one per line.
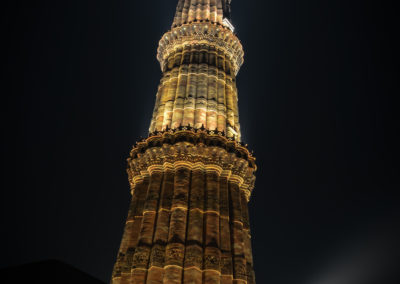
pixel 192 178
pixel 200 57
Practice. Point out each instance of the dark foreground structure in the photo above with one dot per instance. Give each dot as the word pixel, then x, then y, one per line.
pixel 50 271
pixel 192 178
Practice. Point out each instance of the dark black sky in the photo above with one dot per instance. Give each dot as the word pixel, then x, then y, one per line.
pixel 317 104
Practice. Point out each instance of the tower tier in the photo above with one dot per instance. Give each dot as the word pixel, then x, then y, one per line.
pixel 198 87
pixel 188 220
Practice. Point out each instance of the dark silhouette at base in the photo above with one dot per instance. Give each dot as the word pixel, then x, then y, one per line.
pixel 49 271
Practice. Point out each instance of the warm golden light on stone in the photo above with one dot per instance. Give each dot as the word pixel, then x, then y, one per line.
pixel 191 179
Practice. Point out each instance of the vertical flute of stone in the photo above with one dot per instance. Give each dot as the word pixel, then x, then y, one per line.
pixel 236 108
pixel 140 191
pixel 142 252
pixel 220 11
pixel 207 10
pixel 239 261
pixel 196 60
pixel 191 12
pixel 225 233
pixel 188 114
pixel 173 64
pixel 128 232
pixel 157 257
pixel 198 12
pixel 126 243
pixel 168 70
pixel 165 82
pixel 185 12
pixel 177 117
pixel 212 90
pixel 179 11
pixel 213 11
pixel 204 9
pixel 201 98
pixel 196 78
pixel 221 122
pixel 177 230
pixel 230 116
pixel 155 110
pixel 212 253
pixel 247 240
pixel 193 263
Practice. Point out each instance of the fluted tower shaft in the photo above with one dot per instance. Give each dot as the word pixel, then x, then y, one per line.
pixel 192 178
pixel 200 57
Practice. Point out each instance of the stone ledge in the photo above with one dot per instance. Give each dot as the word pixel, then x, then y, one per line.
pixel 194 136
pixel 201 33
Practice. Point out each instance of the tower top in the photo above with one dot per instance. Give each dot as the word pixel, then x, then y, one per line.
pixel 189 11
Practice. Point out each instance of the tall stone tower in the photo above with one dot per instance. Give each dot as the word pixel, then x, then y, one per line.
pixel 191 179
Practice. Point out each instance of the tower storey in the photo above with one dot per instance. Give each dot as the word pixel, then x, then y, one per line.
pixel 192 178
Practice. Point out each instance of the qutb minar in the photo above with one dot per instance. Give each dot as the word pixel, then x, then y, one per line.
pixel 192 178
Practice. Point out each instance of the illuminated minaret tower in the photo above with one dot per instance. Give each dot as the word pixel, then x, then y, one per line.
pixel 192 178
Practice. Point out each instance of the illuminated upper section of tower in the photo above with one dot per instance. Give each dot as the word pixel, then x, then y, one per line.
pixel 189 11
pixel 200 57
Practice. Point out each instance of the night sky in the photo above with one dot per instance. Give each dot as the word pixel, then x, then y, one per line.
pixel 317 105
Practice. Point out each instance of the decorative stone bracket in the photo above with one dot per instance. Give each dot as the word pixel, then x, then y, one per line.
pixel 216 35
pixel 193 150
